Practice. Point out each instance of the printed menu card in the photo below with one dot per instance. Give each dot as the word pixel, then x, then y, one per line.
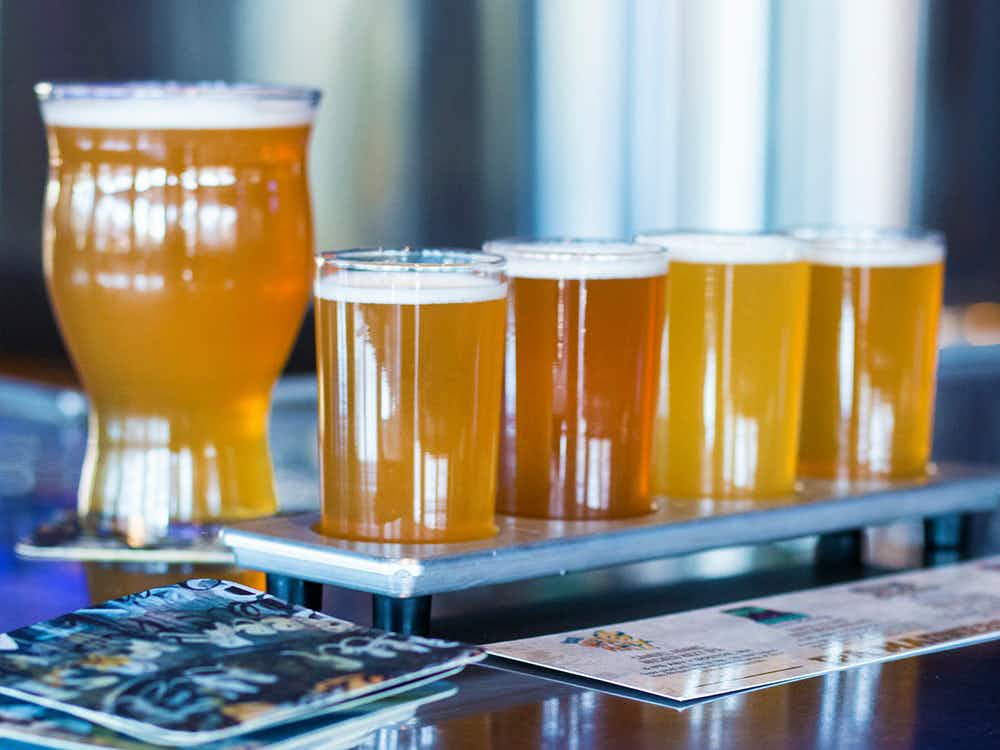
pixel 707 652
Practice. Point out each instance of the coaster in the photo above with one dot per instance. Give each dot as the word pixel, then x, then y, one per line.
pixel 209 660
pixel 65 539
pixel 345 727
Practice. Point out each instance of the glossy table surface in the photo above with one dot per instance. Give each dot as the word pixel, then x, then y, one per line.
pixel 946 699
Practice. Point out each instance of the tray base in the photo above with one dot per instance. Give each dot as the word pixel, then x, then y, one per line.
pixel 528 548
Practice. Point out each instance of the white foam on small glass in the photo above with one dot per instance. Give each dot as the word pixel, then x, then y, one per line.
pixel 579 260
pixel 727 249
pixel 891 254
pixel 178 113
pixel 408 288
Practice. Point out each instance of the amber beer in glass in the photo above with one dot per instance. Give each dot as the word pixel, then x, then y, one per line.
pixel 178 257
pixel 736 323
pixel 409 346
pixel 584 325
pixel 874 309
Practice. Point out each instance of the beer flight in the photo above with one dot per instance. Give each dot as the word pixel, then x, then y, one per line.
pixel 564 379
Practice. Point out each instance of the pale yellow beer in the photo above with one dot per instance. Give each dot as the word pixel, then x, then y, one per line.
pixel 584 325
pixel 875 304
pixel 735 342
pixel 409 348
pixel 178 257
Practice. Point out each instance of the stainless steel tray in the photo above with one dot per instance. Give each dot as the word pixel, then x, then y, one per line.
pixel 530 548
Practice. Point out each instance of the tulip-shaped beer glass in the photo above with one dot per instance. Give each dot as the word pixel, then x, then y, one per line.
pixel 178 257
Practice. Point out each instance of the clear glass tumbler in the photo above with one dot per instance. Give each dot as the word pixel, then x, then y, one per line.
pixel 409 346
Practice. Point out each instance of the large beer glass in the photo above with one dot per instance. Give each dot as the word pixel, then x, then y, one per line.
pixel 584 325
pixel 736 324
pixel 875 303
pixel 178 258
pixel 409 346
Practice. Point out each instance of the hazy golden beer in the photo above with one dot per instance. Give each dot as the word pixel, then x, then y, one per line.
pixel 875 304
pixel 584 326
pixel 409 346
pixel 736 322
pixel 178 257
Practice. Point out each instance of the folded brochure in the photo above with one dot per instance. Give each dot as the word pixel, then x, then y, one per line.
pixel 716 650
pixel 32 726
pixel 208 660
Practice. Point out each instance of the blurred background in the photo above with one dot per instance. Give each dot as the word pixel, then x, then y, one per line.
pixel 453 121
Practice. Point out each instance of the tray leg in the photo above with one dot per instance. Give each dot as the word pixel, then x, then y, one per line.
pixel 296 591
pixel 947 538
pixel 841 548
pixel 408 615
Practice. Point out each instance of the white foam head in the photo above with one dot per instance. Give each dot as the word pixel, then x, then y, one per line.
pixel 175 106
pixel 726 249
pixel 579 259
pixel 872 248
pixel 408 288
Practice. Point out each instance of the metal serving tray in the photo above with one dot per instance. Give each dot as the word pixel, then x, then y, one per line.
pixel 531 548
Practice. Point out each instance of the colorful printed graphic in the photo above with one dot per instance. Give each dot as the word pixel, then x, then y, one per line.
pixel 611 640
pixel 205 660
pixel 765 616
pixel 342 728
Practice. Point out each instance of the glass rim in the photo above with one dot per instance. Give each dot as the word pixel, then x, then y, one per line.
pixel 846 236
pixel 874 247
pixel 168 90
pixel 393 259
pixel 574 248
pixel 725 246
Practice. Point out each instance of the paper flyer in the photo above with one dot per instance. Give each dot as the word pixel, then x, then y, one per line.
pixel 706 652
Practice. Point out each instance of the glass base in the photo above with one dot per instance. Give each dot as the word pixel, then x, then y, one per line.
pixel 66 538
pixel 468 533
pixel 174 533
pixel 148 480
